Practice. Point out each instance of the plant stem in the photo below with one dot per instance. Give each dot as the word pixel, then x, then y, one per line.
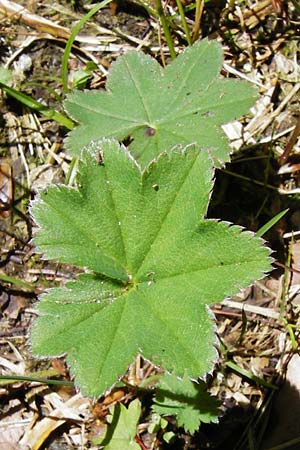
pixel 165 26
pixel 151 11
pixel 249 375
pixel 198 15
pixel 250 180
pixel 183 21
pixel 11 378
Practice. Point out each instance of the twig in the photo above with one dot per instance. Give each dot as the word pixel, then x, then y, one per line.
pixel 291 142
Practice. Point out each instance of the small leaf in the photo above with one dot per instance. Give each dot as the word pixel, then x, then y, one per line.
pixel 123 428
pixel 5 75
pixel 169 436
pixel 187 400
pixel 156 261
pixel 158 108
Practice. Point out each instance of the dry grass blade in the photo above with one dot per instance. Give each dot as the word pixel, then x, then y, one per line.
pixel 266 312
pixel 16 12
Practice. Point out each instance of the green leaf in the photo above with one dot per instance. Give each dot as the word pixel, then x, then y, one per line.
pixel 187 400
pixel 156 264
pixel 157 423
pixel 5 75
pixel 187 102
pixel 169 436
pixel 123 428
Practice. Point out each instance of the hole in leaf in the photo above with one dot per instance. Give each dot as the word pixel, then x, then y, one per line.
pixel 150 131
pixel 208 114
pixel 98 158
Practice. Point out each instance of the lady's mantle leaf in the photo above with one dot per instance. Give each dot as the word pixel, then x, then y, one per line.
pixel 157 263
pixel 187 400
pixel 160 108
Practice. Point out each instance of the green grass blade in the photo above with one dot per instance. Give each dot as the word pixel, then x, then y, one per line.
pixel 148 8
pixel 16 281
pixel 263 230
pixel 12 378
pixel 296 6
pixel 74 32
pixel 71 172
pixel 249 375
pixel 184 23
pixel 37 106
pixel 166 29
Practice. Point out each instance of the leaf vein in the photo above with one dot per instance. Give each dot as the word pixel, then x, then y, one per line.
pixel 184 83
pixel 140 93
pixel 168 210
pixel 118 221
pixel 83 231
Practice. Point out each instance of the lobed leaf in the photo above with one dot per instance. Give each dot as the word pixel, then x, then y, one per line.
pixel 158 108
pixel 187 400
pixel 156 261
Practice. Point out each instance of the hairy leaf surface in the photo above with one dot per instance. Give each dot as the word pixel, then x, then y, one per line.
pixel 187 400
pixel 155 264
pixel 158 108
